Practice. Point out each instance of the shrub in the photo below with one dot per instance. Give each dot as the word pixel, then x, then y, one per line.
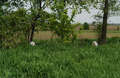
pixel 12 28
pixel 61 23
pixel 115 39
pixel 117 28
pixel 86 26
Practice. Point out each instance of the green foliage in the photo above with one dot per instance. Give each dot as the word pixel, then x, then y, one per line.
pixel 13 26
pixel 60 23
pixel 81 28
pixel 86 26
pixel 54 60
pixel 114 6
pixel 98 31
pixel 117 28
pixel 98 26
pixel 106 11
pixel 43 22
pixel 38 16
pixel 16 26
pixel 114 40
pixel 94 22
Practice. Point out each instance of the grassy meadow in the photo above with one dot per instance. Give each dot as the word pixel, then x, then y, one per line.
pixel 55 60
pixel 50 59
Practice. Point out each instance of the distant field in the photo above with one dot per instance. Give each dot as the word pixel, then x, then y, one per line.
pixel 111 31
pixel 109 27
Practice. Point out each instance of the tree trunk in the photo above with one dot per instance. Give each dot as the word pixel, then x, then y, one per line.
pixel 33 24
pixel 32 31
pixel 28 35
pixel 64 2
pixel 104 26
pixel 40 3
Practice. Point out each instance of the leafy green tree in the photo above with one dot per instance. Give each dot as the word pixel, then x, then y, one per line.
pixel 94 22
pixel 37 14
pixel 9 23
pixel 86 26
pixel 117 28
pixel 104 26
pixel 98 26
pixel 13 27
pixel 61 9
pixel 61 22
pixel 109 8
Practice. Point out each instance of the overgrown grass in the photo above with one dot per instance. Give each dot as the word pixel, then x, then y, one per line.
pixel 54 60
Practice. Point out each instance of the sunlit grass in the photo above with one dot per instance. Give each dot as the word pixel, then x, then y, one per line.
pixel 55 60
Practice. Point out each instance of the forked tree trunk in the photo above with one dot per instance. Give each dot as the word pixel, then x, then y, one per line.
pixel 33 24
pixel 104 26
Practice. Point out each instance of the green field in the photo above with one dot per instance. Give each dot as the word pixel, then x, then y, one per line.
pixel 55 60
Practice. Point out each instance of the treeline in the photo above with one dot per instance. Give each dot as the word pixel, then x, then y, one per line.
pixel 18 24
pixel 117 24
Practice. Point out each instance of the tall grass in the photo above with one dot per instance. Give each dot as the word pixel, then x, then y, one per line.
pixel 54 60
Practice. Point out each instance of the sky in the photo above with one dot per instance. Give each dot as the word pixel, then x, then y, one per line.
pixel 86 17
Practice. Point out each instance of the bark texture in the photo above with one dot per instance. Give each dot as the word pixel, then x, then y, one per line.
pixel 104 26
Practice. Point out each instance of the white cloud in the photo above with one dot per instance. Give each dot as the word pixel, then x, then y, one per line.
pixel 86 17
